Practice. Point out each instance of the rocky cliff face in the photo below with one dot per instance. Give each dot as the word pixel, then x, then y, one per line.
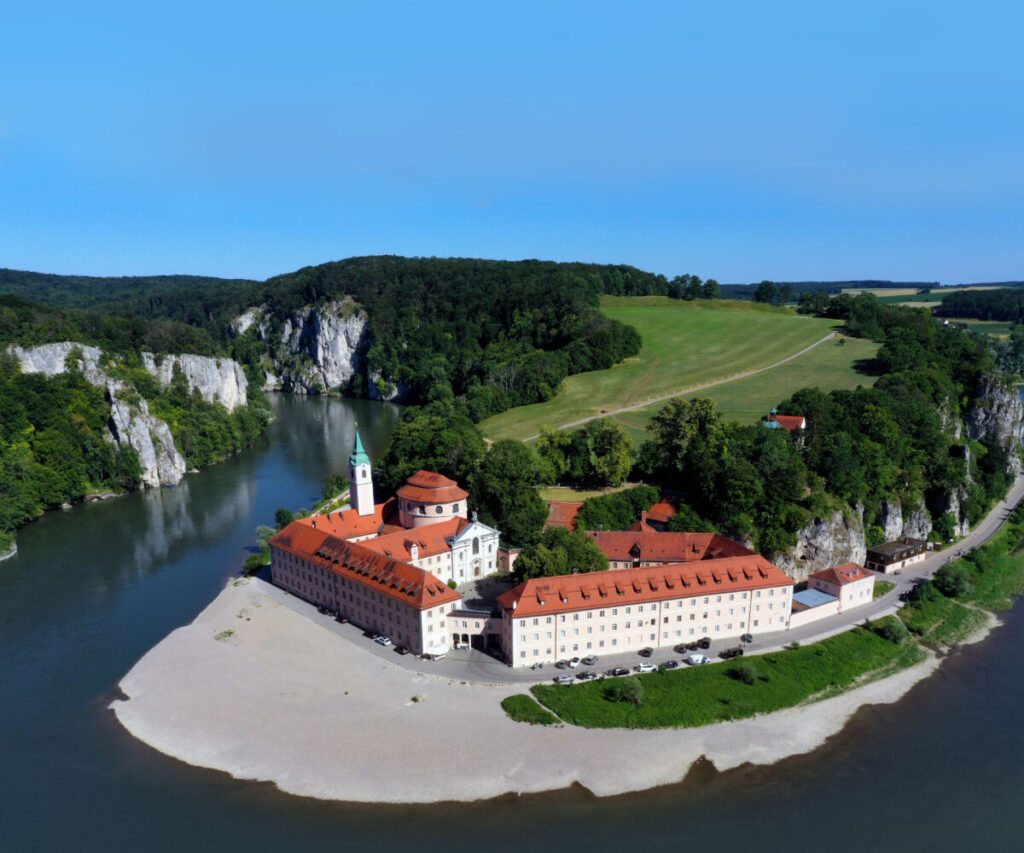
pixel 828 541
pixel 318 348
pixel 996 412
pixel 898 521
pixel 220 380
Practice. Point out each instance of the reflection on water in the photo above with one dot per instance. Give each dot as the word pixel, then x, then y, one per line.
pixel 93 588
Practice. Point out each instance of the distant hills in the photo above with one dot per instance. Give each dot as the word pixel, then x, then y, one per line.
pixel 746 291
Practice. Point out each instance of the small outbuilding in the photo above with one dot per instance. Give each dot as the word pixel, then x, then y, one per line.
pixel 893 556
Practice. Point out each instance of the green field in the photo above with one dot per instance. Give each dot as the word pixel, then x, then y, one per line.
pixel 698 696
pixel 829 366
pixel 685 344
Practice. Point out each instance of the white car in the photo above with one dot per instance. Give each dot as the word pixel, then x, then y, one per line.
pixel 645 667
pixel 564 679
pixel 697 660
pixel 575 662
pixel 384 641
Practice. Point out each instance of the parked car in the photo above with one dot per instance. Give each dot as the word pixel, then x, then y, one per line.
pixel 382 640
pixel 615 672
pixel 575 662
pixel 646 652
pixel 371 635
pixel 586 676
pixel 590 660
pixel 747 638
pixel 401 650
pixel 671 664
pixel 645 667
pixel 697 660
pixel 341 619
pixel 729 654
pixel 704 643
pixel 562 664
pixel 564 679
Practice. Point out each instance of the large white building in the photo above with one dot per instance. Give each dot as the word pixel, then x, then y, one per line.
pixel 387 566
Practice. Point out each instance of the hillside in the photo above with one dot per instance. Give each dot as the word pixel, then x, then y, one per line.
pixel 686 344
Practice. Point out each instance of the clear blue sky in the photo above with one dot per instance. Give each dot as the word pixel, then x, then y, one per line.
pixel 739 140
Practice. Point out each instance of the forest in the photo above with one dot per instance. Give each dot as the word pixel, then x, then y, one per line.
pixel 1006 304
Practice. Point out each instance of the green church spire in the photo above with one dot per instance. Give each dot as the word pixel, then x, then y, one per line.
pixel 359 456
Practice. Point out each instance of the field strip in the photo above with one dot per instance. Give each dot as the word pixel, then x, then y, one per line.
pixel 645 403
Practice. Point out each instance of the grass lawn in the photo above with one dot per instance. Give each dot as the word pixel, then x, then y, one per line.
pixel 882 587
pixel 829 366
pixel 684 344
pixel 942 620
pixel 524 709
pixel 566 493
pixel 698 696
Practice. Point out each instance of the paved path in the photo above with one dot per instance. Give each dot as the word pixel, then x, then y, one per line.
pixel 691 389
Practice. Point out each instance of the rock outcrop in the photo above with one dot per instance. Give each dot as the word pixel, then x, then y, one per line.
pixel 218 380
pixel 131 423
pixel 830 540
pixel 318 348
pixel 897 524
pixel 996 413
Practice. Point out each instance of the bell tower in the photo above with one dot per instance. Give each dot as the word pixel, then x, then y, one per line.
pixel 360 479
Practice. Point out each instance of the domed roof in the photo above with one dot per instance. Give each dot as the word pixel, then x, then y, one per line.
pixel 428 487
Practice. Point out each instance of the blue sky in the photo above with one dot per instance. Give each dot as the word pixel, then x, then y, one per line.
pixel 740 140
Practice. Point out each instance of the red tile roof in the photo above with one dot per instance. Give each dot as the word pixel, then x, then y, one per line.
pixel 430 539
pixel 846 573
pixel 665 547
pixel 642 526
pixel 350 524
pixel 393 578
pixel 563 514
pixel 791 423
pixel 664 509
pixel 428 487
pixel 566 593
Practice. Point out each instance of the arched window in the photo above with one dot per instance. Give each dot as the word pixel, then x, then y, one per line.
pixel 455 507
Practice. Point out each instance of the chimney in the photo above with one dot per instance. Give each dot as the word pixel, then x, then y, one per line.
pixel 314 524
pixel 643 517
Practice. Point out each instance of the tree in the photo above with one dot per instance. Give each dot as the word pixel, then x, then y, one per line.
pixel 283 517
pixel 953 580
pixel 559 552
pixel 504 492
pixel 712 289
pixel 611 452
pixel 674 430
pixel 766 292
pixel 785 294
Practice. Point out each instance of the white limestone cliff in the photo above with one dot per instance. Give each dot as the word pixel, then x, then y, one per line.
pixel 831 540
pixel 131 423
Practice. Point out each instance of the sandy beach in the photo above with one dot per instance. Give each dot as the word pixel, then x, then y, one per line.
pixel 255 689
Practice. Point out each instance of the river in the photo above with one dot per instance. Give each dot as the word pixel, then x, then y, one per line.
pixel 94 587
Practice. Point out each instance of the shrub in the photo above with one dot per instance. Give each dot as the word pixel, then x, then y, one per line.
pixel 953 580
pixel 452 584
pixel 625 690
pixel 745 672
pixel 890 628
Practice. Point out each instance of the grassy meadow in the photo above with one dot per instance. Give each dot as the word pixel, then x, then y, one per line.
pixel 684 344
pixel 699 696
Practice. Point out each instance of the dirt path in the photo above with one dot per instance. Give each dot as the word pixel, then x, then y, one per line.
pixel 691 389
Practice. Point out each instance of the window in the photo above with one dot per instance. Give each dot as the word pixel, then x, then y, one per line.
pixel 455 507
pixel 438 509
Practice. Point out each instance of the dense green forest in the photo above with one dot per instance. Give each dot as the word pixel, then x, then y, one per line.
pixel 1006 304
pixel 494 334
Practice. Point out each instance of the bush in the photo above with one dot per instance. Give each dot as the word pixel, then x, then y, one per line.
pixel 625 690
pixel 953 580
pixel 890 628
pixel 452 584
pixel 745 672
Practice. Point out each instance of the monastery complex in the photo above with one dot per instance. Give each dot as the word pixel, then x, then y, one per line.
pixel 395 568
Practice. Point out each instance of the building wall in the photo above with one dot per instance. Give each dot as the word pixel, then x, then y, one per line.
pixel 366 607
pixel 610 629
pixel 812 614
pixel 849 594
pixel 419 513
pixel 893 567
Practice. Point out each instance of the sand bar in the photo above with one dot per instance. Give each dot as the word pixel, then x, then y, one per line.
pixel 284 700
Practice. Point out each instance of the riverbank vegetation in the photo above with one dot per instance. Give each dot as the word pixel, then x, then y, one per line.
pixel 701 695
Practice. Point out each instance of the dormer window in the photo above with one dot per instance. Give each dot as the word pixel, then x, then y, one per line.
pixel 438 509
pixel 455 507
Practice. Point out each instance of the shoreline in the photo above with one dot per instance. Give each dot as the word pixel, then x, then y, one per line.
pixel 336 723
